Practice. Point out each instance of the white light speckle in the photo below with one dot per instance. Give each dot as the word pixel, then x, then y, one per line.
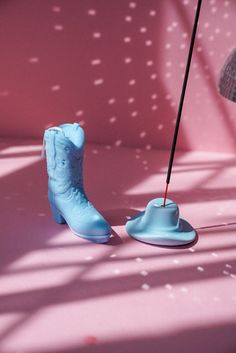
pixel 226 273
pixel 214 254
pixel 128 60
pixel 111 101
pixel 132 82
pixel 92 12
pixel 58 28
pixel 191 250
pixel 33 60
pixel 79 113
pixel 55 88
pixel 148 42
pixel 97 35
pixel 131 100
pixel 98 82
pixel 139 259
pixel 127 39
pixel 134 114
pixel 143 29
pixel 228 266
pixel 116 271
pixel 184 290
pixel 149 63
pixel 144 273
pixel 96 62
pixel 142 134
pixel 118 143
pixel 113 119
pixel 128 18
pixel 56 9
pixel 145 286
pixel 132 5
pixel 152 13
pixel 88 258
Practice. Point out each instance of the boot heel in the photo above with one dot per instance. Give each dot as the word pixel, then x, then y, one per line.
pixel 56 215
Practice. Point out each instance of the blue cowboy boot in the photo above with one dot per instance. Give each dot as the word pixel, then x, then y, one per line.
pixel 67 198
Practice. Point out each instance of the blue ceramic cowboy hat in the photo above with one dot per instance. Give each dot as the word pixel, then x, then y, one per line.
pixel 161 225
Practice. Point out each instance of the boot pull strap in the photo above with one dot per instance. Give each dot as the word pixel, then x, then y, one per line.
pixel 44 140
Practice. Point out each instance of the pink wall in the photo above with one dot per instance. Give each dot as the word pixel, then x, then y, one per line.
pixel 116 67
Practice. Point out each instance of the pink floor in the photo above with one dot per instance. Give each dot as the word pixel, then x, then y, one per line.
pixel 61 294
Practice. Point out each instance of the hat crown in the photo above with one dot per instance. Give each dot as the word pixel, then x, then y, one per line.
pixel 162 217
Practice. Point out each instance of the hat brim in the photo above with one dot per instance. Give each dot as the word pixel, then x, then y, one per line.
pixel 182 235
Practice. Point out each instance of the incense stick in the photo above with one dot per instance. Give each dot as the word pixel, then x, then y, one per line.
pixel 173 148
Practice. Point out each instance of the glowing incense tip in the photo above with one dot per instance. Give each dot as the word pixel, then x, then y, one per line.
pixel 165 196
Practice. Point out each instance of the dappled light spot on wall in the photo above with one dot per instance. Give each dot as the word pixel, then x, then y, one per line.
pixel 142 134
pixel 127 39
pixel 112 119
pixel 134 114
pixel 131 100
pixel 148 42
pixel 111 101
pixel 128 18
pixel 143 30
pixel 128 60
pixel 97 35
pixel 98 82
pixel 94 151
pixel 79 113
pixel 152 13
pixel 153 76
pixel 132 82
pixel 92 12
pixel 55 88
pixel 95 62
pixel 58 28
pixel 56 9
pixel 149 63
pixel 118 143
pixel 168 45
pixel 33 60
pixel 154 107
pixel 148 147
pixel 132 5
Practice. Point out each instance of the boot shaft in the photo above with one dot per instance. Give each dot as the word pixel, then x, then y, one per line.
pixel 64 158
